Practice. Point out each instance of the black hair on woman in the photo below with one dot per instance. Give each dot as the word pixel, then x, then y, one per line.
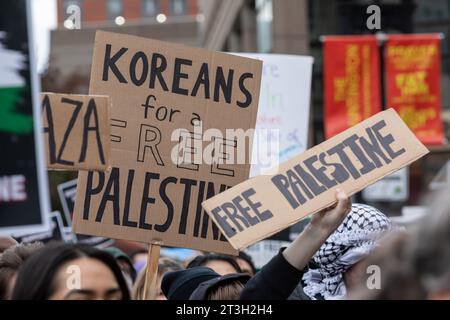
pixel 203 259
pixel 244 256
pixel 35 280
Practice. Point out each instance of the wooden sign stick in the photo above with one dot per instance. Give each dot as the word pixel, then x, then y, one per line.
pixel 151 273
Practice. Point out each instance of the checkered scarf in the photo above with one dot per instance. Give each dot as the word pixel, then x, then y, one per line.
pixel 353 240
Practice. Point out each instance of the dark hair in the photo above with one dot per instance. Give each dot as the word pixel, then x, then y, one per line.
pixel 35 280
pixel 202 260
pixel 10 262
pixel 227 291
pixel 242 255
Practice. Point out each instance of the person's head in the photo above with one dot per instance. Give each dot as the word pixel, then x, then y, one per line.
pixel 429 249
pixel 10 262
pixel 390 271
pixel 335 264
pixel 246 264
pixel 202 283
pixel 227 287
pixel 62 271
pixel 165 265
pixel 228 291
pixel 139 258
pixel 124 263
pixel 220 263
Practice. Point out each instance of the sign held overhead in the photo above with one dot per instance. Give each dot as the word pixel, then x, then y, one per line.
pixel 76 131
pixel 162 95
pixel 352 160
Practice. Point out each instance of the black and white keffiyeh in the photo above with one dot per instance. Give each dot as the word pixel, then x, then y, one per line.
pixel 357 236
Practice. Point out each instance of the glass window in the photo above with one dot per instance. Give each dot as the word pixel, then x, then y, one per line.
pixel 178 7
pixel 149 8
pixel 114 8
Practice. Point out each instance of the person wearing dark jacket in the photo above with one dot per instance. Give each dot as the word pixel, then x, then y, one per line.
pixel 280 276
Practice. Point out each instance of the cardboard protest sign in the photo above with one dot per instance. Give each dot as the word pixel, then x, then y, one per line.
pixel 67 192
pixel 55 233
pixel 283 111
pixel 353 159
pixel 152 193
pixel 24 197
pixel 76 131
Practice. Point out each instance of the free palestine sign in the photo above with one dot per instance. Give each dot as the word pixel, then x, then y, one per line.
pixel 351 160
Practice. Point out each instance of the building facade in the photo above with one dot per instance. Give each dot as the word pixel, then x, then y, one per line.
pixel 72 42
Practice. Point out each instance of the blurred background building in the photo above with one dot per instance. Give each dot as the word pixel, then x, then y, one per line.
pixel 72 47
pixel 267 26
pixel 295 27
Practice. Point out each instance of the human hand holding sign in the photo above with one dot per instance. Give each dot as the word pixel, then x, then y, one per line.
pixel 328 219
pixel 322 225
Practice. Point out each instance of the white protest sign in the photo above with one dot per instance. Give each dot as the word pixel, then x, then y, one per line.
pixel 283 110
pixel 393 187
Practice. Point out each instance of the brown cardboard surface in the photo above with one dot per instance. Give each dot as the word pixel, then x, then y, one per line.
pixel 258 208
pixel 146 196
pixel 76 131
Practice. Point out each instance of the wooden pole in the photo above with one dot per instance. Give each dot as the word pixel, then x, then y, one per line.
pixel 151 273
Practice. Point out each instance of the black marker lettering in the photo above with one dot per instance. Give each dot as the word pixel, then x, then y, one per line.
pixel 339 150
pixel 157 70
pixel 90 191
pixel 146 199
pixel 163 194
pixel 69 128
pixel 138 81
pixel 91 112
pixel 178 75
pixel 221 84
pixel 265 215
pixel 319 173
pixel 202 79
pixel 186 199
pixel 367 166
pixel 248 95
pixel 309 180
pixel 110 63
pixel 111 193
pixel 126 209
pixel 46 108
pixel 222 221
pixel 386 140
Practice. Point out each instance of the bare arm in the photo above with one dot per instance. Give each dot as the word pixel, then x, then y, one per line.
pixel 280 276
pixel 322 225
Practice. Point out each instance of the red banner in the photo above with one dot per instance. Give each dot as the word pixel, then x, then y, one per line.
pixel 413 69
pixel 351 81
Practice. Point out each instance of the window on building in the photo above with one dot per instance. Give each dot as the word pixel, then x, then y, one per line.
pixel 114 8
pixel 178 7
pixel 149 8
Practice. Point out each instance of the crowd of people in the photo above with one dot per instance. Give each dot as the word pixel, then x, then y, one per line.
pixel 347 251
